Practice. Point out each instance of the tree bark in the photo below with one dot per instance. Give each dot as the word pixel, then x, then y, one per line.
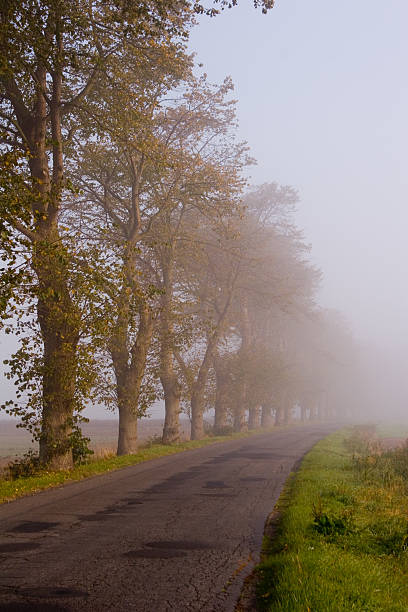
pixel 279 415
pixel 168 377
pixel 171 388
pixel 198 388
pixel 221 394
pixel 254 416
pixel 129 370
pixel 59 324
pixel 246 341
pixel 266 415
pixel 288 410
pixel 313 410
pixel 239 418
pixel 197 410
pixel 128 419
pixel 57 315
pixel 220 416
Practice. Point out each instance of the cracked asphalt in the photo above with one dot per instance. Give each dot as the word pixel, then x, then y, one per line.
pixel 177 533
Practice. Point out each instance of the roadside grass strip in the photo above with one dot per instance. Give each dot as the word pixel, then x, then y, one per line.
pixel 338 539
pixel 12 489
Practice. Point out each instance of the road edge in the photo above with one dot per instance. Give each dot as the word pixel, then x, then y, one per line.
pixel 247 600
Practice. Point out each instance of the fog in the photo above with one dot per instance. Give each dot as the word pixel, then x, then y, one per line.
pixel 322 101
pixel 203 305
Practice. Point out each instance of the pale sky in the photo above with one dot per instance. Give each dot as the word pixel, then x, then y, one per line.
pixel 323 103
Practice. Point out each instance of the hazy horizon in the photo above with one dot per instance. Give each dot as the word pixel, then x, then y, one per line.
pixel 322 103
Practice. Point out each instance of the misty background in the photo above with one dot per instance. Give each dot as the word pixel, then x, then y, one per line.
pixel 323 100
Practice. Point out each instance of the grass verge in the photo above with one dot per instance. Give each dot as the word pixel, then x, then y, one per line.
pixel 12 489
pixel 341 540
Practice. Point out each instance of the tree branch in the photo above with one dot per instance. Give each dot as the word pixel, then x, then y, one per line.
pixel 24 230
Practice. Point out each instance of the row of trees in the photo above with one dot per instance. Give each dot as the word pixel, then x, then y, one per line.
pixel 138 264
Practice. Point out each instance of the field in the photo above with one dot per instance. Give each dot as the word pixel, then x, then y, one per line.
pixel 103 434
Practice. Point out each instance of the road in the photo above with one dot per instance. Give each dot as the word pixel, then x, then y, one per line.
pixel 177 533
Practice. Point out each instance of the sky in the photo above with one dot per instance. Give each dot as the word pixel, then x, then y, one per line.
pixel 322 93
pixel 323 102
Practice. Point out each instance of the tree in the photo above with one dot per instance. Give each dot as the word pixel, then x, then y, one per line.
pixel 54 55
pixel 117 210
pixel 211 280
pixel 199 187
pixel 153 163
pixel 275 285
pixel 264 4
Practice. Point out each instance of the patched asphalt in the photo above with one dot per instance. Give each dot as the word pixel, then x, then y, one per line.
pixel 178 533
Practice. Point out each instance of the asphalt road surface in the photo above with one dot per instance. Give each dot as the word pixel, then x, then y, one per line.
pixel 177 533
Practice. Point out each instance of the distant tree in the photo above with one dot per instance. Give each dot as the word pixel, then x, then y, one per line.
pixel 200 187
pixel 275 286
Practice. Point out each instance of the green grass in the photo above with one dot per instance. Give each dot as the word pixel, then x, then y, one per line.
pixel 340 543
pixel 12 489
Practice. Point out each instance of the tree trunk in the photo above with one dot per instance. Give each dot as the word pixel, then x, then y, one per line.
pixel 307 408
pixel 287 417
pixel 288 411
pixel 266 415
pixel 57 315
pixel 197 410
pixel 168 377
pixel 254 417
pixel 171 388
pixel 279 415
pixel 59 323
pixel 39 124
pixel 313 410
pixel 221 414
pixel 128 417
pixel 221 394
pixel 303 412
pixel 244 350
pixel 330 412
pixel 129 370
pixel 198 387
pixel 323 408
pixel 239 418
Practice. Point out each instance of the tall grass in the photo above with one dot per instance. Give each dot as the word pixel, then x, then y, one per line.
pixel 341 542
